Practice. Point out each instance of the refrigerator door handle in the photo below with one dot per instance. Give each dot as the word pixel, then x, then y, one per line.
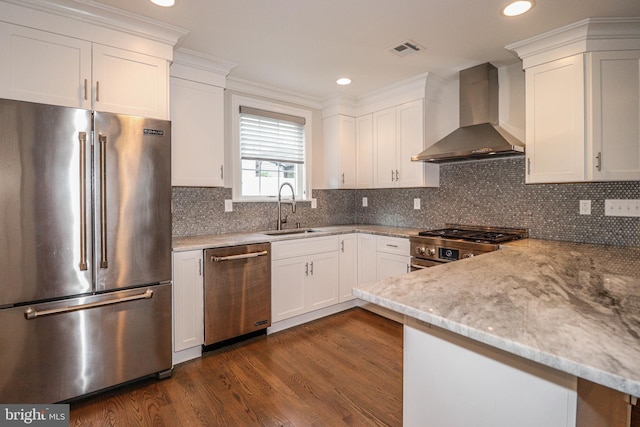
pixel 31 314
pixel 104 263
pixel 82 137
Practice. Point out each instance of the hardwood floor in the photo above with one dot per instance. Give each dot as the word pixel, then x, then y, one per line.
pixel 345 369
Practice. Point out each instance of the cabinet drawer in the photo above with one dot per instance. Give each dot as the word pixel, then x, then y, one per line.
pixel 392 245
pixel 305 246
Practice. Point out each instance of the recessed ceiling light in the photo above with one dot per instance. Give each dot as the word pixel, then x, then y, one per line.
pixel 344 81
pixel 517 7
pixel 164 3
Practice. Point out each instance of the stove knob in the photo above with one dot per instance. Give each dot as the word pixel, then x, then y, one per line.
pixel 420 250
pixel 432 251
pixel 467 255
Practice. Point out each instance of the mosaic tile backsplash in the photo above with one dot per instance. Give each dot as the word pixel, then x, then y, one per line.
pixel 489 192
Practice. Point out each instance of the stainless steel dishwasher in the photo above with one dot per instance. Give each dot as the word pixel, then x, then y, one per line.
pixel 237 291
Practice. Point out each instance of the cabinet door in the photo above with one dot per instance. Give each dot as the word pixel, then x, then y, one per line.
pixel 410 141
pixel 367 268
pixel 390 265
pixel 555 121
pixel 364 150
pixel 614 107
pixel 287 288
pixel 129 83
pixel 197 144
pixel 348 265
pixel 188 303
pixel 43 67
pixel 322 283
pixel 384 148
pixel 347 148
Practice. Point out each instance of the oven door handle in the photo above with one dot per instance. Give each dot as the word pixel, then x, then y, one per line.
pixel 422 267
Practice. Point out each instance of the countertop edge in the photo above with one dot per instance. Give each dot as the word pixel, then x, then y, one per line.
pixel 189 243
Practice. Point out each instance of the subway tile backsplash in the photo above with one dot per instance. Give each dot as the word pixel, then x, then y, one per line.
pixel 488 192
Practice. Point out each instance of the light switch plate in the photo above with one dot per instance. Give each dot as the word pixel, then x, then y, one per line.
pixel 622 207
pixel 365 202
pixel 585 207
pixel 228 205
pixel 416 203
pixel 314 203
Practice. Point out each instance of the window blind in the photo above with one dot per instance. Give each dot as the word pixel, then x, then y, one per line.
pixel 270 136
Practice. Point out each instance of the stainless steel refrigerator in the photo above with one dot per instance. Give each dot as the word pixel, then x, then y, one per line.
pixel 85 251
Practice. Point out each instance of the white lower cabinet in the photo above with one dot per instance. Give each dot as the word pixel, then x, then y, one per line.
pixel 188 305
pixel 304 276
pixel 392 257
pixel 348 257
pixel 367 271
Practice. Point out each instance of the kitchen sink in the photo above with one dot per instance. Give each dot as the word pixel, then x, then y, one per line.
pixel 290 231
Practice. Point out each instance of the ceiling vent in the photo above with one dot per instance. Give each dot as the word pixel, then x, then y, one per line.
pixel 406 48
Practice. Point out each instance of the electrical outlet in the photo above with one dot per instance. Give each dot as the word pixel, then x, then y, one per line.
pixel 228 205
pixel 416 203
pixel 622 207
pixel 314 203
pixel 365 202
pixel 585 207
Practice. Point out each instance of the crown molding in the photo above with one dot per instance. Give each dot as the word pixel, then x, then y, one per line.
pixel 592 34
pixel 259 89
pixel 108 17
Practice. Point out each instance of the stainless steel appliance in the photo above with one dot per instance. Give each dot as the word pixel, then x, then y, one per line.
pixel 237 291
pixel 85 250
pixel 479 135
pixel 435 247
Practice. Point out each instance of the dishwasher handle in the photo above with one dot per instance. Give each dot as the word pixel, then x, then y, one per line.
pixel 239 256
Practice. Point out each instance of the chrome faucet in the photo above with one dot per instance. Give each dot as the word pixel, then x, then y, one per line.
pixel 280 202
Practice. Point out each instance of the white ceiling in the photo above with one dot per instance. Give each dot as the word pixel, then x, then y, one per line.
pixel 303 46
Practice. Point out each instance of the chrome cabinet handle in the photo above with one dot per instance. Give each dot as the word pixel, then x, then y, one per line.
pixel 342 246
pixel 343 177
pixel 392 175
pixel 97 91
pixel 86 95
pixel 306 269
pixel 599 159
pixel 82 138
pixel 239 256
pixel 31 314
pixel 104 262
pixel 528 165
pixel 408 268
pixel 397 175
pixel 221 171
pixel 200 267
pixel 392 246
pixel 312 268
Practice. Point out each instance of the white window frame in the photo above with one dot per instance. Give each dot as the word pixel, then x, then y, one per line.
pixel 236 102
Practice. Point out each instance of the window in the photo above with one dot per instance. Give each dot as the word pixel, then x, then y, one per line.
pixel 271 149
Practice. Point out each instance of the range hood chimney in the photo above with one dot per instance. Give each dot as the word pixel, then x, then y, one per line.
pixel 479 135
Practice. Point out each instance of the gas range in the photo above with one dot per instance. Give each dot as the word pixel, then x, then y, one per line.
pixel 455 242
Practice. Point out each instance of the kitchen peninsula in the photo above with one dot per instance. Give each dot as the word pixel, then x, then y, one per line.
pixel 552 312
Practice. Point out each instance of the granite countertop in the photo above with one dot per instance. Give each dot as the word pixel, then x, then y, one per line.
pixel 573 307
pixel 230 239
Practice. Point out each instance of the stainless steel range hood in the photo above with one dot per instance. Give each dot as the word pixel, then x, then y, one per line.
pixel 479 135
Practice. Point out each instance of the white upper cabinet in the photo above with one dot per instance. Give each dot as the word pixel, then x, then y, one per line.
pixel 614 105
pixel 555 121
pixel 52 55
pixel 340 148
pixel 583 102
pixel 398 134
pixel 42 67
pixel 197 144
pixel 364 151
pixel 129 83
